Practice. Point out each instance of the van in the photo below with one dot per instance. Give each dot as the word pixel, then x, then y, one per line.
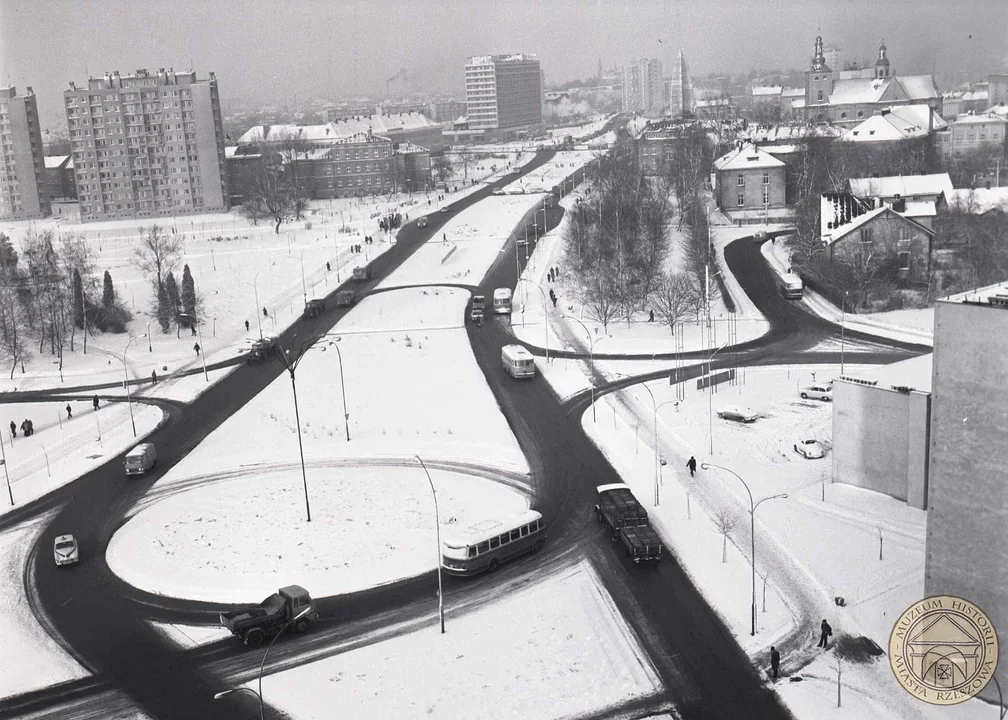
pixel 517 361
pixel 791 287
pixel 502 301
pixel 140 459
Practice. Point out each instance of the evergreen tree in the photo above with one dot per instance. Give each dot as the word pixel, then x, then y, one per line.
pixel 108 292
pixel 78 299
pixel 188 293
pixel 164 309
pixel 172 294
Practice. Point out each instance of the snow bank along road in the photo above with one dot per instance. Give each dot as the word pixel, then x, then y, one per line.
pixel 704 672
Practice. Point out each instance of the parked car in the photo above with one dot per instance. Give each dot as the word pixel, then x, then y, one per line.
pixel 422 222
pixel 809 449
pixel 738 414
pixel 65 550
pixel 817 392
pixel 499 191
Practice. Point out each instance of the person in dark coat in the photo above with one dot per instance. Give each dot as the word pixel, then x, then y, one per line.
pixel 265 313
pixel 196 348
pixel 94 401
pixel 691 464
pixel 24 427
pixel 153 377
pixel 327 267
pixel 13 430
pixel 774 661
pixel 69 412
pixel 824 634
pixel 651 316
pixel 193 328
pixel 246 326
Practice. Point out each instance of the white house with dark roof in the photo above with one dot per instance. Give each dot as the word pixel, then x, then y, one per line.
pixel 748 178
pixel 918 197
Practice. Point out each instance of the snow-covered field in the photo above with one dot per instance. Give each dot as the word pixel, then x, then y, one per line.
pixel 557 648
pixel 31 660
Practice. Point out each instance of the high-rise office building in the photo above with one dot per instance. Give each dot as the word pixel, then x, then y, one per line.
pixel 644 87
pixel 24 192
pixel 504 95
pixel 147 144
pixel 680 87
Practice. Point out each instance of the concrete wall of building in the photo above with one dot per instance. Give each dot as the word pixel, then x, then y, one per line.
pixel 967 523
pixel 210 146
pixel 876 433
pixel 25 191
pixel 751 189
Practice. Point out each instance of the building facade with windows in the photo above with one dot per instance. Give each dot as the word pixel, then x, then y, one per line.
pixel 60 177
pixel 147 145
pixel 975 132
pixel 885 241
pixel 644 88
pixel 504 95
pixel 24 191
pixel 748 178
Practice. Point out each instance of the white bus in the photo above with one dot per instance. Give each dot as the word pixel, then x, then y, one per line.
pixel 486 544
pixel 517 361
pixel 791 287
pixel 502 301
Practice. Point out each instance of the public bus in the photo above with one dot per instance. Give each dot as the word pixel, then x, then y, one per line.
pixel 502 301
pixel 517 361
pixel 791 287
pixel 486 544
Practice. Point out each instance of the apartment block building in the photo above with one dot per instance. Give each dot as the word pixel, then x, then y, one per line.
pixel 24 192
pixel 967 133
pixel 504 95
pixel 644 88
pixel 147 145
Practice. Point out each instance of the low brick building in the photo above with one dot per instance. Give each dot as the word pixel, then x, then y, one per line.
pixel 748 178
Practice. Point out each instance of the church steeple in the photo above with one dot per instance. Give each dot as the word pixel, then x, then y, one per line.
pixel 819 59
pixel 882 64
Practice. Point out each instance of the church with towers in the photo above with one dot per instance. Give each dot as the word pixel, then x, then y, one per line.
pixel 846 97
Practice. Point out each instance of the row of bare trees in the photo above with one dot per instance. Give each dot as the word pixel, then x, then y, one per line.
pixel 44 297
pixel 158 256
pixel 278 178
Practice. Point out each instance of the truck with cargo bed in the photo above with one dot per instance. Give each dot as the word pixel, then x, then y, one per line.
pixel 289 605
pixel 642 544
pixel 618 508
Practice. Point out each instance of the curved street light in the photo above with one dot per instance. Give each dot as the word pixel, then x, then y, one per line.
pixel 710 397
pixel 262 666
pixel 255 289
pixel 129 400
pixel 591 356
pixel 752 530
pixel 437 523
pixel 545 311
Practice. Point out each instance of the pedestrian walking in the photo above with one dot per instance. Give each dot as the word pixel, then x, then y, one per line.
pixel 94 401
pixel 13 430
pixel 69 412
pixel 246 326
pixel 193 328
pixel 774 661
pixel 265 313
pixel 651 316
pixel 327 267
pixel 24 427
pixel 824 634
pixel 153 377
pixel 691 464
pixel 196 348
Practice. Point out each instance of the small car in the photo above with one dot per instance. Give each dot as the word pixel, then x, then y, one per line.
pixel 809 449
pixel 760 235
pixel 444 209
pixel 422 222
pixel 65 550
pixel 817 392
pixel 499 191
pixel 738 414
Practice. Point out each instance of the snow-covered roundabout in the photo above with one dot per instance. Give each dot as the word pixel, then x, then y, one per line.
pixel 236 537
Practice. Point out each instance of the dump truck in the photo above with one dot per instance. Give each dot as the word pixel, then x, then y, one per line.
pixel 291 605
pixel 313 308
pixel 642 544
pixel 618 508
pixel 260 348
pixel 345 298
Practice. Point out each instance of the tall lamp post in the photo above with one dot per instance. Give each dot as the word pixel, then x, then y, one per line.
pixel 3 451
pixel 591 356
pixel 710 397
pixel 437 522
pixel 752 531
pixel 304 286
pixel 129 401
pixel 262 666
pixel 255 289
pixel 545 311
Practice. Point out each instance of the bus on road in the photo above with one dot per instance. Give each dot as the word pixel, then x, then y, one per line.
pixel 517 361
pixel 502 301
pixel 486 544
pixel 791 287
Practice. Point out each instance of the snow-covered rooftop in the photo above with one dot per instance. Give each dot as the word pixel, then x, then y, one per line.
pixel 903 185
pixel 340 130
pixel 748 157
pixel 766 90
pixel 54 161
pixel 918 87
pixel 979 295
pixel 973 118
pixel 852 91
pixel 901 122
pixel 914 373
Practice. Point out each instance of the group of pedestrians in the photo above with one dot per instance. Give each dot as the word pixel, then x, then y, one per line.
pixel 390 222
pixel 358 247
pixel 28 427
pixel 825 633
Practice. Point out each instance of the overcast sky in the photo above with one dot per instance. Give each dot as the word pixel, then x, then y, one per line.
pixel 279 50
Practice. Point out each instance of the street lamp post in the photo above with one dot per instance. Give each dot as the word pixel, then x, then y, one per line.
pixel 3 451
pixel 255 290
pixel 710 397
pixel 262 666
pixel 545 312
pixel 752 531
pixel 304 286
pixel 591 358
pixel 437 522
pixel 129 401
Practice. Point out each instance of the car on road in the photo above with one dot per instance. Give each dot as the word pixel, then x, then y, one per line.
pixel 738 414
pixel 760 235
pixel 65 550
pixel 817 392
pixel 809 449
pixel 362 273
pixel 422 222
pixel 499 191
pixel 444 209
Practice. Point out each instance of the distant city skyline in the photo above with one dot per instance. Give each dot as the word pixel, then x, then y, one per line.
pixel 274 52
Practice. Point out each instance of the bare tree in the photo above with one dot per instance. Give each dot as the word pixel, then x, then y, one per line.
pixel 725 520
pixel 269 189
pixel 13 325
pixel 672 298
pixel 294 157
pixel 600 295
pixel 159 254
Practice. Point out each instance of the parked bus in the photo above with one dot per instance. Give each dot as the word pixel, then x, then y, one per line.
pixel 517 361
pixel 502 301
pixel 488 543
pixel 791 287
